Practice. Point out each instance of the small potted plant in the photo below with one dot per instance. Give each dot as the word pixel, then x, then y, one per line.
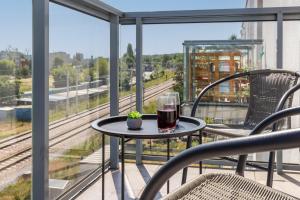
pixel 134 120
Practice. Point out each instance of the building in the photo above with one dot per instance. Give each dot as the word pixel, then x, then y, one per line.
pixel 207 61
pixel 267 31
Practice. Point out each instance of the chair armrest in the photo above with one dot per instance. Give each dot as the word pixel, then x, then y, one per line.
pixel 286 95
pixel 258 143
pixel 272 119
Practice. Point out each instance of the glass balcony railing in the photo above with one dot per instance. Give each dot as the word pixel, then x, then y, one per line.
pixel 176 56
pixel 79 94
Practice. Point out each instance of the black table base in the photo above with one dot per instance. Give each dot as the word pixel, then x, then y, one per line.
pixel 116 127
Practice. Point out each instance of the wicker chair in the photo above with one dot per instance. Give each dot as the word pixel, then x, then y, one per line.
pixel 267 89
pixel 215 186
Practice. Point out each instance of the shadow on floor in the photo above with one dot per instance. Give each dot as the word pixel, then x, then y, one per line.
pixel 116 175
pixel 290 179
pixel 146 176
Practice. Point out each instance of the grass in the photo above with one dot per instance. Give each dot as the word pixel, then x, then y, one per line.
pixel 66 167
pixel 169 75
pixel 26 84
pixel 14 127
pixel 150 108
pixel 21 190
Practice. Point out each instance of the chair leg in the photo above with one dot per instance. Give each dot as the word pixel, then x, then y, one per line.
pixel 200 142
pixel 184 173
pixel 271 169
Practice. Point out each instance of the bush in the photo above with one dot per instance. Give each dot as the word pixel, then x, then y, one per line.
pixel 9 88
pixel 7 67
pixel 60 75
pixel 23 72
pixel 101 67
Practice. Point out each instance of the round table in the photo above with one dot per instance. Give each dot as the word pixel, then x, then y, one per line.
pixel 117 127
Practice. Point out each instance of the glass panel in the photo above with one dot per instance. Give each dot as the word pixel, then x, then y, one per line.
pixel 291 61
pixel 127 76
pixel 78 87
pixel 15 99
pixel 200 57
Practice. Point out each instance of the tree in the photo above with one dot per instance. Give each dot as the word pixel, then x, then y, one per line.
pixel 60 75
pixel 58 61
pixel 233 37
pixel 91 70
pixel 178 87
pixel 165 60
pixel 130 57
pixel 8 89
pixel 101 67
pixel 23 71
pixel 7 67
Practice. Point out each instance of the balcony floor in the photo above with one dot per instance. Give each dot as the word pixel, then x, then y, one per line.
pixel 138 175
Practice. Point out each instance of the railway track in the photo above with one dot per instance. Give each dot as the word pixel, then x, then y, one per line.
pixel 18 149
pixel 27 135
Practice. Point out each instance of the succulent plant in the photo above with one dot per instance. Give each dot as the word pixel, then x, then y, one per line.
pixel 134 115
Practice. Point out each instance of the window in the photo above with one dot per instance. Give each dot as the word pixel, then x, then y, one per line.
pixel 224 67
pixel 225 87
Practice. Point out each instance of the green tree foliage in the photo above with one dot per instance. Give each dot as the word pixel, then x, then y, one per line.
pixel 60 75
pixel 165 60
pixel 128 64
pixel 125 80
pixel 101 67
pixel 233 37
pixel 23 72
pixel 7 67
pixel 130 57
pixel 178 87
pixel 92 74
pixel 58 62
pixel 9 88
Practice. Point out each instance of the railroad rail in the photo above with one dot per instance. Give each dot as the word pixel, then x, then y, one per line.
pixel 17 149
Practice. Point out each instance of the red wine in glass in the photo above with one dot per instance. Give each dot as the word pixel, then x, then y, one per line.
pixel 166 119
pixel 176 95
pixel 166 113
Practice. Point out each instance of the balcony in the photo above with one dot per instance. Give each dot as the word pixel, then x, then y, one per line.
pixel 65 64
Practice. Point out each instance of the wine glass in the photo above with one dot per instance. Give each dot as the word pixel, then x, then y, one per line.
pixel 166 113
pixel 176 95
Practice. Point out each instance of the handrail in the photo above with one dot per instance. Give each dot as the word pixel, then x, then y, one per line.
pixel 286 95
pixel 259 143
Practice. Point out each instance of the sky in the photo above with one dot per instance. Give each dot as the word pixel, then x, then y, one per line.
pixel 71 31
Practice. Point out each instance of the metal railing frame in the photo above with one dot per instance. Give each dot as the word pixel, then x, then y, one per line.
pixel 116 18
